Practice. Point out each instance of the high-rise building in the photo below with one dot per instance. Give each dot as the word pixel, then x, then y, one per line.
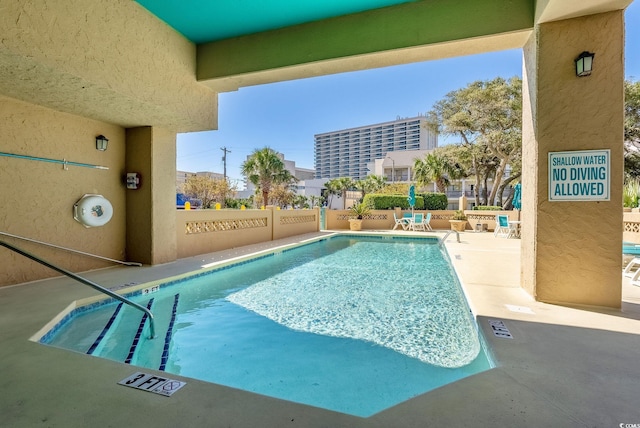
pixel 351 152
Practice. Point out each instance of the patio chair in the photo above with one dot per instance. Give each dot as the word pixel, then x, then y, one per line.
pixel 502 226
pixel 402 221
pixel 633 269
pixel 418 222
pixel 427 221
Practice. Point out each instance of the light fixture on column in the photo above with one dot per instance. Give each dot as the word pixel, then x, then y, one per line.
pixel 584 64
pixel 101 143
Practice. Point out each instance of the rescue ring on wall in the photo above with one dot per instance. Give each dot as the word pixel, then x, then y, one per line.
pixel 92 211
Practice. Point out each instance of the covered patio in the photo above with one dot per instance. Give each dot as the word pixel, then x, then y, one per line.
pixel 72 71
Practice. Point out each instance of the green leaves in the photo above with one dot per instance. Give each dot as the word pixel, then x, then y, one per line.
pixel 265 169
pixel 487 116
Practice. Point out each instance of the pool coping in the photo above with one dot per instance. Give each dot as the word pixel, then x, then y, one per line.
pixel 565 366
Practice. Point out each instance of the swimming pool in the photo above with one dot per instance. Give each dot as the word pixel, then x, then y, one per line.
pixel 630 248
pixel 354 325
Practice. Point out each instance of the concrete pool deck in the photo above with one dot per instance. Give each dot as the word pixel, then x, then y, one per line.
pixel 564 366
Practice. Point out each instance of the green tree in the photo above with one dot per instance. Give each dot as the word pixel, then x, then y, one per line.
pixel 316 201
pixel 340 186
pixel 370 184
pixel 300 201
pixel 631 129
pixel 436 168
pixel 208 190
pixel 487 116
pixel 265 169
pixel 282 195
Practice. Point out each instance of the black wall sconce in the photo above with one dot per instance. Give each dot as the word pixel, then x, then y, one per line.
pixel 101 143
pixel 584 64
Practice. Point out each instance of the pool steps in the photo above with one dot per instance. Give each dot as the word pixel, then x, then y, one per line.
pixel 167 338
pixel 128 324
pixel 138 335
pixel 105 330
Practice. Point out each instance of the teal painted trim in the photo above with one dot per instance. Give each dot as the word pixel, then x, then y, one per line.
pixel 65 163
pixel 206 21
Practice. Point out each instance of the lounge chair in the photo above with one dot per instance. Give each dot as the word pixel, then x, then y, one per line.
pixel 635 279
pixel 418 222
pixel 633 268
pixel 403 222
pixel 427 221
pixel 502 226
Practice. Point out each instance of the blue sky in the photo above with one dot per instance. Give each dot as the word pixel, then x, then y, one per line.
pixel 285 116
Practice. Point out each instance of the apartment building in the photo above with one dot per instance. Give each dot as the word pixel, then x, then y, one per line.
pixel 182 176
pixel 301 174
pixel 352 152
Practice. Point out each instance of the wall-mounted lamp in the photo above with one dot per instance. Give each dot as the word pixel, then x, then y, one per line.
pixel 584 64
pixel 101 143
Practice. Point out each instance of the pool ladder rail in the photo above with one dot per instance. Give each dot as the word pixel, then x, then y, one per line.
pixel 446 235
pixel 152 329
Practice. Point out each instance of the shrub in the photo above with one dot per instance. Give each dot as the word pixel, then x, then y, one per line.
pixel 630 194
pixel 459 215
pixel 435 201
pixel 487 208
pixel 389 202
pixel 424 201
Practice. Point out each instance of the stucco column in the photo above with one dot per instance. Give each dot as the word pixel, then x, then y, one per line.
pixel 571 251
pixel 151 209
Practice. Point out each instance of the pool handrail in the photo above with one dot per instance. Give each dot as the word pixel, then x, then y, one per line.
pixel 35 241
pixel 152 329
pixel 446 235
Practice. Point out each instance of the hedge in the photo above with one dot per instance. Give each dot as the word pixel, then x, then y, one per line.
pixel 435 201
pixel 487 208
pixel 424 201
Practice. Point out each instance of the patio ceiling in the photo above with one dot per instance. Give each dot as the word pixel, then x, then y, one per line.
pixel 243 43
pixel 107 63
pixel 203 22
pixel 209 21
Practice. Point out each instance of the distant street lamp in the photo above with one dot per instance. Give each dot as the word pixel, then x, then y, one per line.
pixel 393 169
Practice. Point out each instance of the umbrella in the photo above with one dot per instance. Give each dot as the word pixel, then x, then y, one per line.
pixel 517 198
pixel 412 196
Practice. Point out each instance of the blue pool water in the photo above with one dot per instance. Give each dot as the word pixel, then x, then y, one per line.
pixel 630 248
pixel 351 325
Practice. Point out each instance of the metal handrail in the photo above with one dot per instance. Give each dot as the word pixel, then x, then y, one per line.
pixel 444 238
pixel 71 250
pixel 152 328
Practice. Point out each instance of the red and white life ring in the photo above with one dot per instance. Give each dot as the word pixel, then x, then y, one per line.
pixel 93 211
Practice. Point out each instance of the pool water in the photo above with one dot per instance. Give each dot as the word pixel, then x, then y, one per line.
pixel 351 325
pixel 630 248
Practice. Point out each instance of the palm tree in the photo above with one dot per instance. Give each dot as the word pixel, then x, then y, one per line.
pixel 434 168
pixel 370 184
pixel 265 169
pixel 341 185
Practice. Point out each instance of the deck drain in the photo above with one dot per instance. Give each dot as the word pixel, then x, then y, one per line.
pixel 500 330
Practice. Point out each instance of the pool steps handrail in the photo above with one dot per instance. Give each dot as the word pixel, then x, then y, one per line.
pixel 152 328
pixel 70 250
pixel 446 235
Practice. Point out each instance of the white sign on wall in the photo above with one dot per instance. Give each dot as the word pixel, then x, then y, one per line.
pixel 580 175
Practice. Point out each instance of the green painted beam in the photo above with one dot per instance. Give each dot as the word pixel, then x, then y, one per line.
pixel 401 27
